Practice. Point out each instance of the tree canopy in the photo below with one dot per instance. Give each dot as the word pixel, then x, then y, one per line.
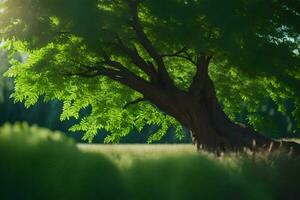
pixel 104 53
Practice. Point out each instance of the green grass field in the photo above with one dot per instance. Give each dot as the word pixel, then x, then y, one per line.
pixel 125 154
pixel 178 171
pixel 36 163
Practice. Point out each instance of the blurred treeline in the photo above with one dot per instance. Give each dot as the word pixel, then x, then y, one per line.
pixel 47 115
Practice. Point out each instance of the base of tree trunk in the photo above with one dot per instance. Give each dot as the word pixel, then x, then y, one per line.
pixel 212 130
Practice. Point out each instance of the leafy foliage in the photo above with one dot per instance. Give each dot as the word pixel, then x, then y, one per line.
pixel 106 98
pixel 256 100
pixel 254 44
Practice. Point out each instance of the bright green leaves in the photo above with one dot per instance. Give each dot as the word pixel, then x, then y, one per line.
pixel 181 71
pixel 46 74
pixel 255 101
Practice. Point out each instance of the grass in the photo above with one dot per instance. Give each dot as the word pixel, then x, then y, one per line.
pixel 179 172
pixel 38 164
pixel 125 154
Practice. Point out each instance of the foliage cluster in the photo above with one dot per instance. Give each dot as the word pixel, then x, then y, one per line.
pixel 12 111
pixel 38 164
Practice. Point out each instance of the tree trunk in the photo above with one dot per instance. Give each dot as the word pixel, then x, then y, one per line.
pixel 199 111
pixel 210 127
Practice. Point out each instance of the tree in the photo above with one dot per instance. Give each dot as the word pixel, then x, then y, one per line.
pixel 138 62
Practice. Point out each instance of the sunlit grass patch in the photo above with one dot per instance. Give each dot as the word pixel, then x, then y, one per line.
pixel 125 154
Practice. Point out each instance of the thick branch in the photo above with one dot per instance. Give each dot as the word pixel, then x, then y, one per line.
pixel 147 44
pixel 130 79
pixel 116 71
pixel 137 60
pixel 119 67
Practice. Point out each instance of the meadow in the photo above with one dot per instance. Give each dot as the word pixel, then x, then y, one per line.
pixel 36 163
pixel 124 155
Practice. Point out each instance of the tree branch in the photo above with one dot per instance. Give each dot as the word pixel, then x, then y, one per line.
pixel 147 44
pixel 134 102
pixel 116 71
pixel 137 60
pixel 117 65
pixel 183 50
pixel 94 71
pixel 181 54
